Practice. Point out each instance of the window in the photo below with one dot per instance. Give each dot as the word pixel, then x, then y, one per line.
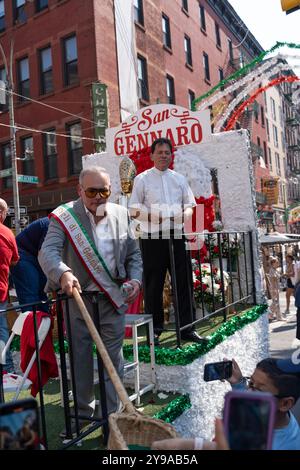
pixel 218 36
pixel 23 75
pixel 185 5
pixel 280 116
pixel 75 148
pixel 255 109
pixel 6 163
pixel 275 135
pixel 41 5
pixel 2 15
pixel 27 151
pixel 270 158
pixel 277 162
pixel 202 18
pixel 283 142
pixel 70 61
pixel 265 153
pixel 266 101
pixel 166 31
pixel 170 89
pixel 46 71
pixel 50 154
pixel 188 50
pixel 273 109
pixel 139 12
pixel 19 11
pixel 268 129
pixel 258 141
pixel 242 60
pixel 191 98
pixel 143 79
pixel 3 106
pixel 230 49
pixel 262 115
pixel 221 77
pixel 206 67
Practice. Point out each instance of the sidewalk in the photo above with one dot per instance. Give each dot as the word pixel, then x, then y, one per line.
pixel 283 340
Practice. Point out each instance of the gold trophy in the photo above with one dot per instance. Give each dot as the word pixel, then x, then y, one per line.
pixel 127 172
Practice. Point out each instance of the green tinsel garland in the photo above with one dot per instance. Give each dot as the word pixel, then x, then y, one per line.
pixel 174 409
pixel 182 357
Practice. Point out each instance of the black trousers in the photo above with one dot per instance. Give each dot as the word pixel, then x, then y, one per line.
pixel 156 262
pixel 298 324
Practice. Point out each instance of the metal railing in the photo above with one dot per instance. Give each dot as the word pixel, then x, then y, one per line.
pixel 71 418
pixel 219 288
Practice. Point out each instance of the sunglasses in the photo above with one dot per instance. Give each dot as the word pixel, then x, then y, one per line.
pixel 92 192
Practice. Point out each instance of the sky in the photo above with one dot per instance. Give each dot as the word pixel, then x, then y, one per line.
pixel 267 22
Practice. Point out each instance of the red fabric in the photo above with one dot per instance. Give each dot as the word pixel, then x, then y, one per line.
pixel 8 255
pixel 47 356
pixel 133 309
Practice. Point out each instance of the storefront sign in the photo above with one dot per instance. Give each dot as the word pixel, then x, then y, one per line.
pixel 181 126
pixel 270 188
pixel 100 114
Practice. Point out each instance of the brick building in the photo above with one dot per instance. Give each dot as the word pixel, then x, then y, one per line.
pixel 182 49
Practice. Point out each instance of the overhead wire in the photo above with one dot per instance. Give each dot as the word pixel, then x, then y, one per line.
pixel 31 129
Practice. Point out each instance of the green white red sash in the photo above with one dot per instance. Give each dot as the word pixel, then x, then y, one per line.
pixel 91 258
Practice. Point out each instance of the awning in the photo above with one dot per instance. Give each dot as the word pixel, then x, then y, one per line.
pixel 275 237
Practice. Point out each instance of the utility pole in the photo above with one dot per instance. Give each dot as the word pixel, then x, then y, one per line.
pixel 13 148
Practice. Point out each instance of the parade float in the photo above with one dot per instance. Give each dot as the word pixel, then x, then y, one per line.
pixel 198 152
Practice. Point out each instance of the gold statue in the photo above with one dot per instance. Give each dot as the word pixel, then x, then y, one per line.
pixel 127 172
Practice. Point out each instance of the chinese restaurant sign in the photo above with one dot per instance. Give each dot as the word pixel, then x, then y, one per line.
pixel 100 114
pixel 180 125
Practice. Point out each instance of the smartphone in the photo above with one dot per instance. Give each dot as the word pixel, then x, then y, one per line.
pixel 249 420
pixel 19 425
pixel 217 370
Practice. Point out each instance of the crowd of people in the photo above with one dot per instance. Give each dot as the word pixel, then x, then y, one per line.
pixel 88 244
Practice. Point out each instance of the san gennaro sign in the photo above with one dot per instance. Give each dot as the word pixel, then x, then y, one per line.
pixel 180 125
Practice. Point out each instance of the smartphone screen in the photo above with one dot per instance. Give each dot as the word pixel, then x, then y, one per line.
pixel 19 426
pixel 217 370
pixel 249 420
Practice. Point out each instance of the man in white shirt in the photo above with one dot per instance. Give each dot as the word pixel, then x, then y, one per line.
pixel 160 200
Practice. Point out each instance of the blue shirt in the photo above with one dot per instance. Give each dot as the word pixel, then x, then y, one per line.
pixel 287 438
pixel 32 237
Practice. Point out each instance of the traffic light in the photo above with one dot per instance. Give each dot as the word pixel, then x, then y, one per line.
pixel 289 6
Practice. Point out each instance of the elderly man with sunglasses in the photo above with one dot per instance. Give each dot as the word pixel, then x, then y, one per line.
pixel 90 246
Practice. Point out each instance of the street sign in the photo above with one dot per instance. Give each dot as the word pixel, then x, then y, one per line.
pixel 27 179
pixel 23 221
pixel 11 210
pixel 6 172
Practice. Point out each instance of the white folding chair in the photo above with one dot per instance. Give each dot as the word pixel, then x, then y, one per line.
pixel 15 382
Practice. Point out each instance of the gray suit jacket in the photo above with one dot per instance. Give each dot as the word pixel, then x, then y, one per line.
pixel 57 254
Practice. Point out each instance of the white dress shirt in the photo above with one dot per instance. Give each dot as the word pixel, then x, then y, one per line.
pixel 165 192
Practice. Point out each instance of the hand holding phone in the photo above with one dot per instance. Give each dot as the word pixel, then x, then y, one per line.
pixel 249 420
pixel 217 370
